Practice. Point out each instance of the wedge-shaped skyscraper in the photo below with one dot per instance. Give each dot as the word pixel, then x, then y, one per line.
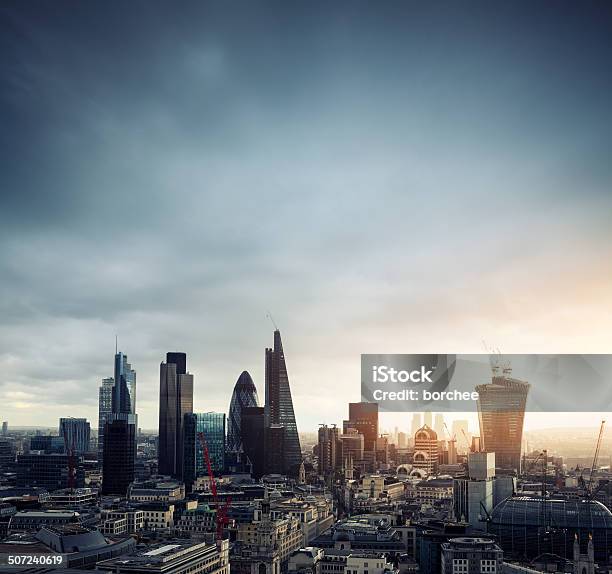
pixel 279 406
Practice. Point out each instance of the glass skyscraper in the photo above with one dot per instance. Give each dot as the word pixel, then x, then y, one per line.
pixel 105 407
pixel 124 391
pixel 120 431
pixel 501 412
pixel 212 426
pixel 175 400
pixel 244 396
pixel 279 405
pixel 76 434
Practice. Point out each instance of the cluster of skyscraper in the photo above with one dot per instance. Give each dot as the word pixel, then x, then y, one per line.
pixel 257 439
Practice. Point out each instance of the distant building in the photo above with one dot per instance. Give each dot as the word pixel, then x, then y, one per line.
pixel 211 426
pixel 417 423
pixel 363 417
pixel 279 406
pixel 471 556
pixel 76 434
pixel 426 450
pixel 4 428
pixel 402 440
pixel 352 447
pixel 501 413
pixel 330 450
pixel 175 401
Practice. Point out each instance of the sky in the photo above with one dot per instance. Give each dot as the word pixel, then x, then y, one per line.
pixel 397 177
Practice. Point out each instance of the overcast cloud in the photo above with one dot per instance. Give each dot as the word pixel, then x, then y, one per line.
pixel 382 177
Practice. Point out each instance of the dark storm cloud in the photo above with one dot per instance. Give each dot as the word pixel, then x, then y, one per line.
pixel 170 172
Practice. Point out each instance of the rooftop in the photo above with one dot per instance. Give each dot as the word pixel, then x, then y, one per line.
pixel 158 554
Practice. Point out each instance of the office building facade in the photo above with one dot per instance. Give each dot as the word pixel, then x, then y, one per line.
pixel 363 417
pixel 76 434
pixel 244 396
pixel 119 454
pixel 471 555
pixel 279 406
pixel 426 450
pixel 175 401
pixel 211 426
pixel 105 408
pixel 253 437
pixel 50 471
pixel 501 413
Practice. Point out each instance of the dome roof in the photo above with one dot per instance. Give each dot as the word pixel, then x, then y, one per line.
pixel 245 382
pixel 526 511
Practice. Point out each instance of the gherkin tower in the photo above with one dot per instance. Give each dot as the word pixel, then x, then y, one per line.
pixel 244 395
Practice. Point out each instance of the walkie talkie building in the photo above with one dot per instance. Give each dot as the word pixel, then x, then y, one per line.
pixel 501 413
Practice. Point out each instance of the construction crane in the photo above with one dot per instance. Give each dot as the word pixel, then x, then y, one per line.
pixel 222 519
pixel 589 486
pixel 450 436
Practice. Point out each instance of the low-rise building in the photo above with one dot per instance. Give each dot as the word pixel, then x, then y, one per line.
pixel 467 555
pixel 426 491
pixel 134 519
pixel 175 557
pixel 159 490
pixel 264 545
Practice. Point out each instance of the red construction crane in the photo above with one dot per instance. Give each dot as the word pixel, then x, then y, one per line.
pixel 222 519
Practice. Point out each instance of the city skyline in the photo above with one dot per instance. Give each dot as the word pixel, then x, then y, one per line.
pixel 398 178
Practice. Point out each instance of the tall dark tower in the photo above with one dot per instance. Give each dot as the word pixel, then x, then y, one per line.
pixel 244 395
pixel 501 412
pixel 364 418
pixel 120 431
pixel 175 400
pixel 279 406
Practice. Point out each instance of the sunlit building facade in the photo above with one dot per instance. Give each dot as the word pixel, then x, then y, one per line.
pixel 501 413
